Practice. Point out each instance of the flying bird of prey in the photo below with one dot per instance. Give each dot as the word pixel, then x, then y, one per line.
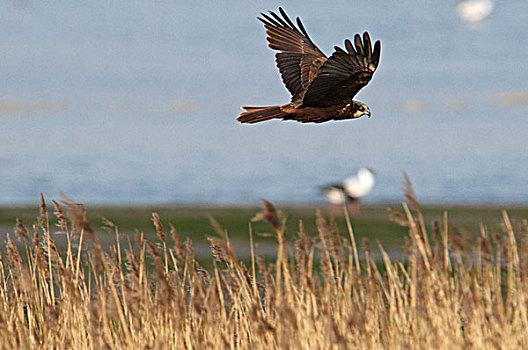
pixel 351 189
pixel 322 88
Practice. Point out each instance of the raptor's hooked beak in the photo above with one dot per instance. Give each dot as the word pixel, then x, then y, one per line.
pixel 368 113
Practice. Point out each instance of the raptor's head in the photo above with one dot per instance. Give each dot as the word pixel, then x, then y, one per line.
pixel 359 109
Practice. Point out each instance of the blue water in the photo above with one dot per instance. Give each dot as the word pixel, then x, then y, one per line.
pixel 135 102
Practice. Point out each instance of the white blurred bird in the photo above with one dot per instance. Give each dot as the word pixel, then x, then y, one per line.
pixel 473 11
pixel 351 189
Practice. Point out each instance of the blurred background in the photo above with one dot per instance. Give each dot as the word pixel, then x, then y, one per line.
pixel 135 103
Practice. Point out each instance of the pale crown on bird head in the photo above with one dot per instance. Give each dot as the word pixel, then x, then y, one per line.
pixel 359 109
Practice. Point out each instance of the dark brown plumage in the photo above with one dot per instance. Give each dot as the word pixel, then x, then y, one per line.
pixel 322 88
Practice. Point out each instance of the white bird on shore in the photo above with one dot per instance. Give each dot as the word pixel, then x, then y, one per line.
pixel 473 11
pixel 351 189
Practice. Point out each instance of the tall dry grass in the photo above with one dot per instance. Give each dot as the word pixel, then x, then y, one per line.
pixel 320 292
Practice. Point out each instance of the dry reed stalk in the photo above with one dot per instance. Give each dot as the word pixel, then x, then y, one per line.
pixel 304 257
pixel 44 224
pixel 178 245
pixel 269 214
pixel 253 269
pixel 352 239
pixel 450 292
pixel 62 223
pixel 21 232
pixel 412 199
pixel 326 247
pixel 161 235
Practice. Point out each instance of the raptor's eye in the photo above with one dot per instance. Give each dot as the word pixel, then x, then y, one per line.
pixel 361 108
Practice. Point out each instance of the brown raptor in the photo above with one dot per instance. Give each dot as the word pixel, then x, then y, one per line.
pixel 322 88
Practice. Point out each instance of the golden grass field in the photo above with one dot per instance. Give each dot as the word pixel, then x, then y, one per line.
pixel 324 291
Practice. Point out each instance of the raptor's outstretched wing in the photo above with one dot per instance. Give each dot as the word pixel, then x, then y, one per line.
pixel 298 58
pixel 343 74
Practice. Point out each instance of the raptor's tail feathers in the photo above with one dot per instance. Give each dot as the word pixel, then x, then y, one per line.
pixel 253 115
